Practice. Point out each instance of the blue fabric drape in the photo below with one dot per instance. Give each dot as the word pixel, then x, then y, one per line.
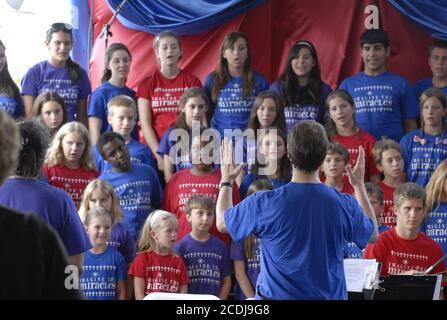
pixel 430 15
pixel 81 28
pixel 182 16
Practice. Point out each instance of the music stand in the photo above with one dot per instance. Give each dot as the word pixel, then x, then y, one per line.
pixel 399 287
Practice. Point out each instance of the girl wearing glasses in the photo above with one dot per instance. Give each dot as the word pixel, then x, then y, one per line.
pixel 58 74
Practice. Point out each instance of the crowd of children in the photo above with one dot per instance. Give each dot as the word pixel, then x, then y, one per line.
pixel 142 167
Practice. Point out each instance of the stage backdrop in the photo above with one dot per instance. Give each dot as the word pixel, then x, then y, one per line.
pixel 272 27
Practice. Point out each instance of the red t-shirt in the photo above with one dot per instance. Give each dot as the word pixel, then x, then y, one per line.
pixel 352 144
pixel 182 186
pixel 72 181
pixel 164 95
pixel 388 216
pixel 399 255
pixel 161 273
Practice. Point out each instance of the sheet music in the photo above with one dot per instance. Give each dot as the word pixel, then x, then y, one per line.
pixel 361 274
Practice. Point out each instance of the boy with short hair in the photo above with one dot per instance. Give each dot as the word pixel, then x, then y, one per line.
pixel 390 162
pixel 206 257
pixel 437 60
pixel 334 164
pixel 122 114
pixel 379 95
pixel 404 249
pixel 136 185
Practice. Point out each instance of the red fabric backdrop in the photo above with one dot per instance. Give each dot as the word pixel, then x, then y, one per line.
pixel 272 28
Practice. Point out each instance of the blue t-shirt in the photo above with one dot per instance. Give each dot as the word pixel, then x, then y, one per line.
pixel 53 205
pixel 101 273
pixel 352 251
pixel 122 241
pixel 422 157
pixel 302 242
pixel 231 111
pixel 46 77
pixel 423 85
pixel 252 265
pixel 182 159
pixel 249 178
pixel 139 153
pixel 97 106
pixel 435 225
pixel 208 263
pixel 379 100
pixel 11 106
pixel 296 112
pixel 139 192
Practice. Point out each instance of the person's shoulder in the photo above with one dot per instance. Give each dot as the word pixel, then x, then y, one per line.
pixel 426 82
pixel 365 136
pixel 410 135
pixel 390 76
pixel 216 242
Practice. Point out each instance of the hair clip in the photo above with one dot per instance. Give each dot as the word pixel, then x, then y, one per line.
pixel 420 140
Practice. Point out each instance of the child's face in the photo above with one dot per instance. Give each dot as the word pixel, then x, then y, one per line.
pixel 266 113
pixel 341 112
pixel 119 64
pixel 432 112
pixel 166 235
pixel 194 110
pixel 168 51
pixel 237 54
pixel 117 154
pixel 374 56
pixel 99 230
pixel 437 62
pixel 60 46
pixel 410 214
pixel 200 219
pixel 52 115
pixel 100 199
pixel 392 164
pixel 376 205
pixel 200 158
pixel 304 62
pixel 334 165
pixel 122 121
pixel 273 146
pixel 73 147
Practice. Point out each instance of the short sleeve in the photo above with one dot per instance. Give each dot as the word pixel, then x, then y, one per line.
pixel 241 220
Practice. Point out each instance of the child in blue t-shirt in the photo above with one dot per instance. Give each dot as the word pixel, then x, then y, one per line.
pixel 380 96
pixel 206 257
pixel 104 272
pixel 113 83
pixel 246 254
pixel 233 86
pixel 122 118
pixel 136 185
pixel 423 149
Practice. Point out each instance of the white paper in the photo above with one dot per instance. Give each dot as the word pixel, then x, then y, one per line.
pixel 361 274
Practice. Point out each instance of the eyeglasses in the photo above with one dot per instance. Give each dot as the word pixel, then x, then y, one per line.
pixel 60 26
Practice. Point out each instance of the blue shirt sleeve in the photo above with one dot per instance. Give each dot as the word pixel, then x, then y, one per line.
pixel 360 227
pixel 410 102
pixel 242 220
pixel 97 105
pixel 30 81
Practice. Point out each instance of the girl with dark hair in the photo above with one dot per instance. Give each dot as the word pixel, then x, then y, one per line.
pixel 159 94
pixel 233 86
pixel 300 85
pixel 10 99
pixel 58 74
pixel 113 83
pixel 51 110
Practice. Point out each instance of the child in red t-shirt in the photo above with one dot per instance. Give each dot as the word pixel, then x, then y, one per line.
pixel 334 164
pixel 69 164
pixel 156 268
pixel 390 162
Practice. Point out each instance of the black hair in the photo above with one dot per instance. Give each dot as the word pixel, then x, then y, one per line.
pixel 107 137
pixel 34 141
pixel 7 86
pixel 371 36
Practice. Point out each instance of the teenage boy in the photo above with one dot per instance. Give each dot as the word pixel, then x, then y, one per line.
pixel 380 96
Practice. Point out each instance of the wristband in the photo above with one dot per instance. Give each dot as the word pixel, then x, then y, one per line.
pixel 225 184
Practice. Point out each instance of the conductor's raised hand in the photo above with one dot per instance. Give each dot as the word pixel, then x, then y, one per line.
pixel 357 175
pixel 228 168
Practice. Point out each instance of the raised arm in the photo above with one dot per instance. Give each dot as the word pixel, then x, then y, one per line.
pixel 356 179
pixel 229 172
pixel 145 116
